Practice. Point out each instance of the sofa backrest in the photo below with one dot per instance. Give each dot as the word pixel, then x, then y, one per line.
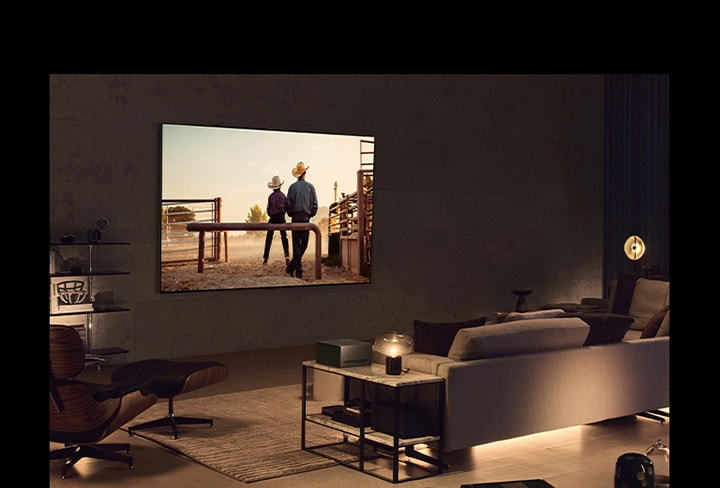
pixel 518 337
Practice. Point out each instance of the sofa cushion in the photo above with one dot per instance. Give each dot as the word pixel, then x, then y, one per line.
pixel 437 337
pixel 653 324
pixel 649 297
pixel 536 314
pixel 518 337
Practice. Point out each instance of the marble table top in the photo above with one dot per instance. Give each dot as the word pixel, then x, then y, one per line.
pixel 375 373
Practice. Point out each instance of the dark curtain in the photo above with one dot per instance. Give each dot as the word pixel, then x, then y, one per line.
pixel 637 176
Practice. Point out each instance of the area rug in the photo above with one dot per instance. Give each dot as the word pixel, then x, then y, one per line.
pixel 255 436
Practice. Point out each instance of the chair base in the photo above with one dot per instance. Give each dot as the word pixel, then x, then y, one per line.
pixel 72 454
pixel 171 420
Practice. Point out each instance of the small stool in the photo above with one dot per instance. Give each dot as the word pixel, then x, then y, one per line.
pixel 169 379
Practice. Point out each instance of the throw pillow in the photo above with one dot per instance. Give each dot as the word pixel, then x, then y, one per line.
pixel 653 324
pixel 437 337
pixel 664 329
pixel 604 327
pixel 622 295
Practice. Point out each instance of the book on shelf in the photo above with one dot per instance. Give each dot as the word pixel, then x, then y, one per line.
pixel 353 406
pixel 356 410
pixel 330 410
pixel 80 307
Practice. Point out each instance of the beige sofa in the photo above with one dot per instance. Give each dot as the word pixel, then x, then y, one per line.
pixel 512 379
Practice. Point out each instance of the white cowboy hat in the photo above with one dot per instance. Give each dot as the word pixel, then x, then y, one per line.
pixel 299 169
pixel 275 183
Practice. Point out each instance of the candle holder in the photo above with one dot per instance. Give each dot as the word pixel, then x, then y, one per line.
pixel 393 365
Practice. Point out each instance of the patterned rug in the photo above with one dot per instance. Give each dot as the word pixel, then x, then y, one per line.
pixel 255 436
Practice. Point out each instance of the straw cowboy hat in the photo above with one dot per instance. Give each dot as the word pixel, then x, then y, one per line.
pixel 275 183
pixel 299 169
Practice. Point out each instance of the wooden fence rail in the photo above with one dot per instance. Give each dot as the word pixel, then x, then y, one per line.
pixel 202 228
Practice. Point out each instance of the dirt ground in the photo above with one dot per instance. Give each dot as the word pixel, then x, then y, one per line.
pixel 245 270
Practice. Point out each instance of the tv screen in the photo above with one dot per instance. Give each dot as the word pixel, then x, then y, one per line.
pixel 215 229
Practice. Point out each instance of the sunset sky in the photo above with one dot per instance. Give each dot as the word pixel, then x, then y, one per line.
pixel 237 164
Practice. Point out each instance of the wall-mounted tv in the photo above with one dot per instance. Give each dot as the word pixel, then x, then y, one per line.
pixel 214 221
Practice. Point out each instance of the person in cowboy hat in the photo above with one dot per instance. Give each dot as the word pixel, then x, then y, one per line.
pixel 276 207
pixel 302 205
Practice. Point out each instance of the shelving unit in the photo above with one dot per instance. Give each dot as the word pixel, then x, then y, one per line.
pixel 87 306
pixel 374 375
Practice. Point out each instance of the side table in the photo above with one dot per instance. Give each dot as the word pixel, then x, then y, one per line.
pixel 521 305
pixel 373 376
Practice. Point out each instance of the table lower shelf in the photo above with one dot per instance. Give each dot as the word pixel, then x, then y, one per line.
pixel 383 458
pixel 370 435
pixel 386 463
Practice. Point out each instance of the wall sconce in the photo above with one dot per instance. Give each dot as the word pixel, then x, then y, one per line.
pixel 393 345
pixel 634 248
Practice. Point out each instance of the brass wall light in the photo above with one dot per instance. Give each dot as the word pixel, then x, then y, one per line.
pixel 634 247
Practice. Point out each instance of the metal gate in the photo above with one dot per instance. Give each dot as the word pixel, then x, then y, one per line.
pixel 178 246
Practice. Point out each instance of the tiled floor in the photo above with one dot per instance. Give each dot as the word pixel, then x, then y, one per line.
pixel 576 457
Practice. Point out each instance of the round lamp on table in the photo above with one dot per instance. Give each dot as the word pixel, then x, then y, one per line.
pixel 393 345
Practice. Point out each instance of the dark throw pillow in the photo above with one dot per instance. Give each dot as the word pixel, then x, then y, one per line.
pixel 437 337
pixel 623 293
pixel 653 324
pixel 604 327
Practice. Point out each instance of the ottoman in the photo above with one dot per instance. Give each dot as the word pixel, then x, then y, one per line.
pixel 169 379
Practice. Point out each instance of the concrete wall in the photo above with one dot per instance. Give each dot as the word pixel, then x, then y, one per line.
pixel 483 184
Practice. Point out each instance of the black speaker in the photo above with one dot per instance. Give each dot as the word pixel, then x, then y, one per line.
pixel 413 421
pixel 633 470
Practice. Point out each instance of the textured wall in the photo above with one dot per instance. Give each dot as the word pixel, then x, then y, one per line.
pixel 484 183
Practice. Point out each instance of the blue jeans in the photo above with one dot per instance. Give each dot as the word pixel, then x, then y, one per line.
pixel 300 243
